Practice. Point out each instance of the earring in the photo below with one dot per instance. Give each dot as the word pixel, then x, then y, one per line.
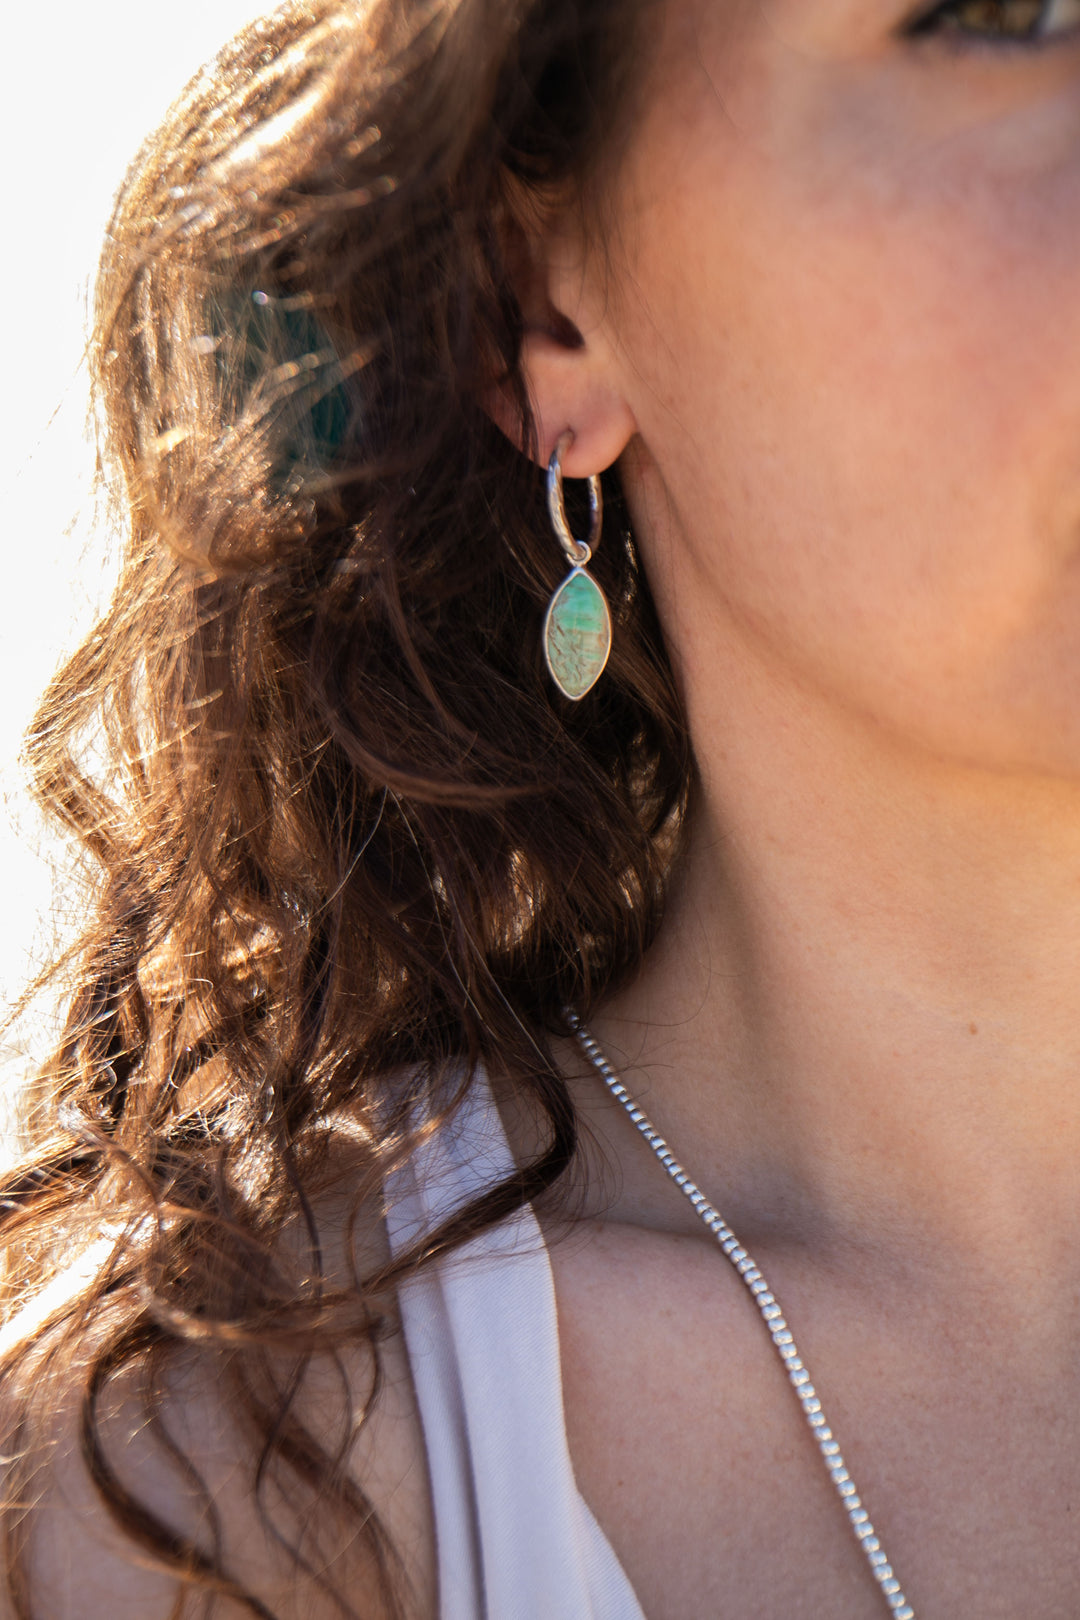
pixel 577 627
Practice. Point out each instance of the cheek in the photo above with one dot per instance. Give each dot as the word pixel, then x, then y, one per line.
pixel 865 407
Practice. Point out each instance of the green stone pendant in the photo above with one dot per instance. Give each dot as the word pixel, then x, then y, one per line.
pixel 577 634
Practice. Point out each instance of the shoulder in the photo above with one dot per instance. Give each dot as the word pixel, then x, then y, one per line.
pixel 171 1471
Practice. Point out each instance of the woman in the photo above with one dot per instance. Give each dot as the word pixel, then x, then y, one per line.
pixel 797 278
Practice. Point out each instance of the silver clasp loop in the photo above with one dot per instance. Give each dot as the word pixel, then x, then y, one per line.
pixel 578 551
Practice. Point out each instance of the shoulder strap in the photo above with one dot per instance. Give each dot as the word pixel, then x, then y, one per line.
pixel 516 1541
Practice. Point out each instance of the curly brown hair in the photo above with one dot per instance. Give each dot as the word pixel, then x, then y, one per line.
pixel 348 842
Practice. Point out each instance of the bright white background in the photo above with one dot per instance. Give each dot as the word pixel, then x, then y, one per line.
pixel 84 84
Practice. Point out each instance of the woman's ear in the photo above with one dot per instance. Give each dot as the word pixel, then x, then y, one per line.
pixel 568 356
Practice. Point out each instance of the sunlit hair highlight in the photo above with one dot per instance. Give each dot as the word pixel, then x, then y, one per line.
pixel 347 841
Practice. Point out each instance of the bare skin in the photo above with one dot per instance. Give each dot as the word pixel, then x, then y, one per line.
pixel 86 1569
pixel 834 337
pixel 836 345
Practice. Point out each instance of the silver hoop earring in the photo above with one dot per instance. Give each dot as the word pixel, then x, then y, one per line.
pixel 577 627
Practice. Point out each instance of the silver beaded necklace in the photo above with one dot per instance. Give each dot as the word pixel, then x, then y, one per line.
pixel 776 1326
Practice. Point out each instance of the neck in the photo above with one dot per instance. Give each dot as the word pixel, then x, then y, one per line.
pixel 860 1023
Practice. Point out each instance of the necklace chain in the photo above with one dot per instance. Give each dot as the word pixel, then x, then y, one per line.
pixel 775 1324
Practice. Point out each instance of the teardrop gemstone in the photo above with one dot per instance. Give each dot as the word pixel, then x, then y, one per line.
pixel 577 634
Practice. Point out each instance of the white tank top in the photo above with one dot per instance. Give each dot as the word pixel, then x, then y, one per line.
pixel 515 1538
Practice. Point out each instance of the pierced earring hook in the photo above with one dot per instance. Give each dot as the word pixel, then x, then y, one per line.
pixel 578 552
pixel 577 626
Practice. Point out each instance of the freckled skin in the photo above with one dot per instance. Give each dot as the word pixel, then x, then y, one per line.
pixel 849 292
pixel 831 326
pixel 833 329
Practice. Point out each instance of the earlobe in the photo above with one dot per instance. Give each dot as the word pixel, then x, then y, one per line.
pixel 565 392
pixel 566 363
pixel 571 387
